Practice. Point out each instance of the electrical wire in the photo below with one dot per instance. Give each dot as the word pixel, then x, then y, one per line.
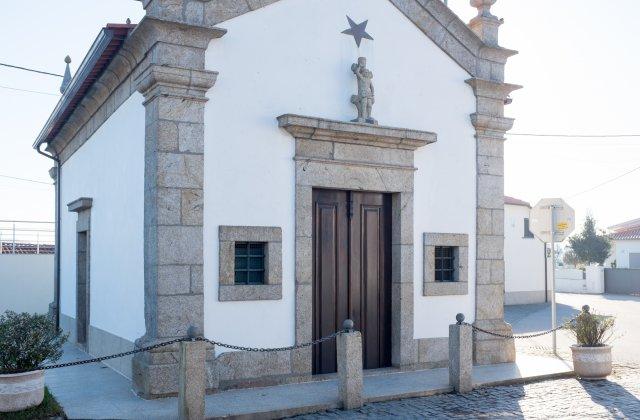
pixel 605 182
pixel 31 70
pixel 25 179
pixel 591 136
pixel 30 91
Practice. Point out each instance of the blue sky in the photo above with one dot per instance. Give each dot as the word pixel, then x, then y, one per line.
pixel 578 64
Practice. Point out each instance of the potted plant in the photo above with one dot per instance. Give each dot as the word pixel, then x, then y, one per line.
pixel 591 354
pixel 26 341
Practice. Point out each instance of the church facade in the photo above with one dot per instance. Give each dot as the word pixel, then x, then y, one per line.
pixel 264 170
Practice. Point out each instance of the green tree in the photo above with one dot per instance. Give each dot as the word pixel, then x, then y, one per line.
pixel 590 246
pixel 570 258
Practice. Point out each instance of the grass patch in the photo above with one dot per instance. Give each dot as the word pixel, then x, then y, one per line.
pixel 48 409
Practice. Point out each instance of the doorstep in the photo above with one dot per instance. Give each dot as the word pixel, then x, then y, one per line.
pixel 96 391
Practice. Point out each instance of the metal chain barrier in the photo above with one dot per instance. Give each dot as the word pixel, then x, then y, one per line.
pixel 262 349
pixel 533 335
pixel 178 340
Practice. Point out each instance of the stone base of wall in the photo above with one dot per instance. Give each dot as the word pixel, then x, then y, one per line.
pixel 101 343
pixel 525 298
pixel 433 352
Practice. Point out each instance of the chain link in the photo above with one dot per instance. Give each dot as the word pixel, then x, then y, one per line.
pixel 178 340
pixel 525 336
pixel 263 349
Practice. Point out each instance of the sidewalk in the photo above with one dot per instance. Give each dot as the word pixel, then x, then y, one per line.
pixel 95 391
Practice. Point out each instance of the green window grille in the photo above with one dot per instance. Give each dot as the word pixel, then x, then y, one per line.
pixel 445 263
pixel 249 268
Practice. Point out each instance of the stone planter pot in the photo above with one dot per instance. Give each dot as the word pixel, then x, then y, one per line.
pixel 19 391
pixel 591 363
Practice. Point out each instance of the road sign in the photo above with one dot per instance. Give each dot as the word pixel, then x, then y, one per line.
pixel 542 217
pixel 552 220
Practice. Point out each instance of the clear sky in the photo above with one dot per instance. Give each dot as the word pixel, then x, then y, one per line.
pixel 578 64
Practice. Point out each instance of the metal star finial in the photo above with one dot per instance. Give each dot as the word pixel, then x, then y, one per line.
pixel 358 31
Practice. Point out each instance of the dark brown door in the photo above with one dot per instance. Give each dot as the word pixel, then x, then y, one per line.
pixel 352 273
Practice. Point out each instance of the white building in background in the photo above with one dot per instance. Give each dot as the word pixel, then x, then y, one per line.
pixel 625 238
pixel 524 257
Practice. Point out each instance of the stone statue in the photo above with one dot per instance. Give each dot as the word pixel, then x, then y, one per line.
pixel 365 98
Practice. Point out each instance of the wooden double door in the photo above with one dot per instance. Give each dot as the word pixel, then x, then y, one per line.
pixel 352 273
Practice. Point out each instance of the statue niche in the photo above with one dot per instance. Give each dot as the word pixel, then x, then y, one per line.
pixel 365 98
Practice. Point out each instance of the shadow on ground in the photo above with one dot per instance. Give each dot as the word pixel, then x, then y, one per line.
pixel 614 398
pixel 536 317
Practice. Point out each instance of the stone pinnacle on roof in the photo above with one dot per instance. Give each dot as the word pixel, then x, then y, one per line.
pixel 66 80
pixel 485 25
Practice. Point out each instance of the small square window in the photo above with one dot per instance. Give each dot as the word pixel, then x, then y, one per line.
pixel 249 262
pixel 445 263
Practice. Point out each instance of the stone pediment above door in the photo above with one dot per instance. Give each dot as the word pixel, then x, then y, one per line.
pixel 358 143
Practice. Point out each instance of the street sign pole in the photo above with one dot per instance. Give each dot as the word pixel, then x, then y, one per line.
pixel 552 220
pixel 553 277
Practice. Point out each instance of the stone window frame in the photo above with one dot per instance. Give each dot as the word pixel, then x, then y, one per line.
pixel 460 286
pixel 228 290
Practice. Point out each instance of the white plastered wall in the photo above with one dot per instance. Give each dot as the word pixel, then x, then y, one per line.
pixel 523 259
pixel 290 57
pixel 109 168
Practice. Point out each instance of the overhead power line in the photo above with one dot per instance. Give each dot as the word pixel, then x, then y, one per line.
pixel 593 136
pixel 25 179
pixel 31 70
pixel 605 182
pixel 30 91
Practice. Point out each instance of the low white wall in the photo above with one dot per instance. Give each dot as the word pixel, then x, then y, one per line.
pixel 26 282
pixel 570 280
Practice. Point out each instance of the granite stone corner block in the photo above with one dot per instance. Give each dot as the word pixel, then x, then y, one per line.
pixel 197 279
pixel 492 298
pixel 490 247
pixel 350 377
pixel 167 134
pixel 190 137
pixel 180 170
pixel 174 280
pixel 177 313
pixel 490 191
pixel 179 245
pixel 192 205
pixel 168 206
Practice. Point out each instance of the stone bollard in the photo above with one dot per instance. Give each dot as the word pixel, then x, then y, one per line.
pixel 192 381
pixel 349 346
pixel 460 356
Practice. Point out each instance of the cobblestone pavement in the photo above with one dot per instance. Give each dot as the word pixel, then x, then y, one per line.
pixel 617 397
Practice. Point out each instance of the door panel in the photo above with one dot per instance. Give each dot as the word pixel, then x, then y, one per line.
pixel 352 273
pixel 330 273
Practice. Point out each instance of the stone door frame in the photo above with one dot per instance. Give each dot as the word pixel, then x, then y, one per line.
pixel 355 157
